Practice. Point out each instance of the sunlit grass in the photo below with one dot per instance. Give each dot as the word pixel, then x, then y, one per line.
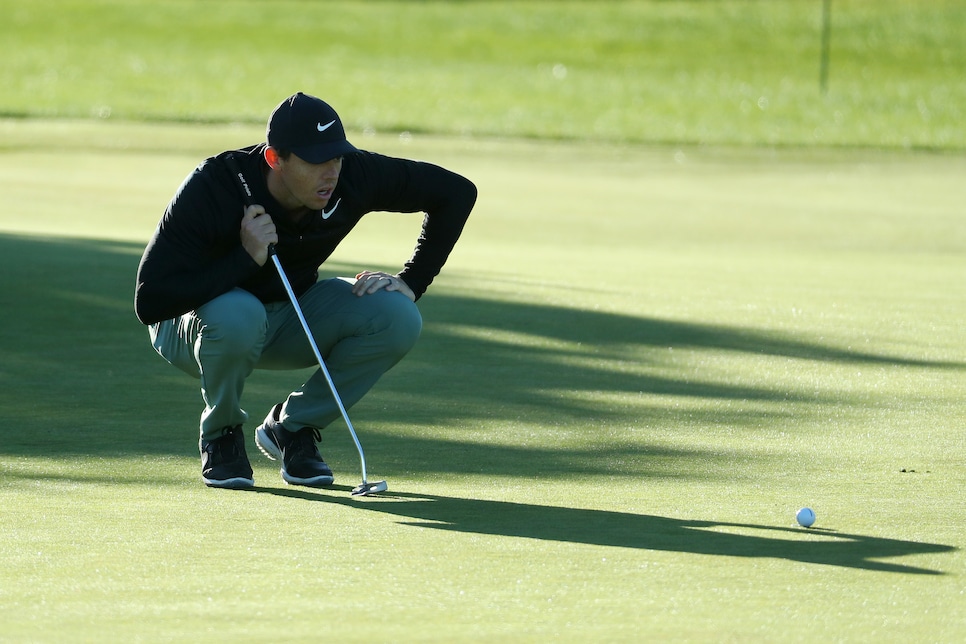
pixel 728 72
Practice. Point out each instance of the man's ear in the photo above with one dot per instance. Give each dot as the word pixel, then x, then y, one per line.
pixel 271 158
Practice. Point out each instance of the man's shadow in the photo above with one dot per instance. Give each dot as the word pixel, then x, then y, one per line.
pixel 629 530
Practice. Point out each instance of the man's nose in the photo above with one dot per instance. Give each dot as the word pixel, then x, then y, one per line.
pixel 330 170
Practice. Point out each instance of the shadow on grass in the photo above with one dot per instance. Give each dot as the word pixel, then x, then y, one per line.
pixel 639 531
pixel 78 376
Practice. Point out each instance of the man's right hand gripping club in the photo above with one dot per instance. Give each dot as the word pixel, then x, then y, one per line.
pixel 257 233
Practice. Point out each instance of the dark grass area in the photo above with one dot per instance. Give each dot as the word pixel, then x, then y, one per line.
pixel 80 377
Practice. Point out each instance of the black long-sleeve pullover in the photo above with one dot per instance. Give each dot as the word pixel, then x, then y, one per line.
pixel 196 253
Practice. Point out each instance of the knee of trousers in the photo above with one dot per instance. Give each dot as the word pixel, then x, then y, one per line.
pixel 405 324
pixel 235 323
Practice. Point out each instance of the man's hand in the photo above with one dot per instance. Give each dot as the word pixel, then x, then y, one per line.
pixel 257 233
pixel 371 281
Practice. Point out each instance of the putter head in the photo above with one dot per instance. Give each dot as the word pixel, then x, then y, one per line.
pixel 365 489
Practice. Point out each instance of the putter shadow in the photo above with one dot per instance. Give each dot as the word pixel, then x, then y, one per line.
pixel 630 530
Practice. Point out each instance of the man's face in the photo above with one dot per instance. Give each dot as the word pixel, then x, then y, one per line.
pixel 304 184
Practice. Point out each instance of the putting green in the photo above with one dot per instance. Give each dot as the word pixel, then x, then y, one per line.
pixel 638 364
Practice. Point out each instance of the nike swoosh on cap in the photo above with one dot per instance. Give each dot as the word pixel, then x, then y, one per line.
pixel 323 128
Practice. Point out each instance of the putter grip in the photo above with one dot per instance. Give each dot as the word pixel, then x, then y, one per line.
pixel 245 190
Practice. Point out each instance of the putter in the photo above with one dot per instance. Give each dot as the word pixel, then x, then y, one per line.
pixel 365 488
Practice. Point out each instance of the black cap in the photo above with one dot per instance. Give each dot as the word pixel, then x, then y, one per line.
pixel 308 127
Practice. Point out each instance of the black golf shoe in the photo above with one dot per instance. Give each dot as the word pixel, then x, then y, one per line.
pixel 224 462
pixel 301 462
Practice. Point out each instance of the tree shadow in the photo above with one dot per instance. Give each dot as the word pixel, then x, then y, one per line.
pixel 611 333
pixel 629 530
pixel 78 376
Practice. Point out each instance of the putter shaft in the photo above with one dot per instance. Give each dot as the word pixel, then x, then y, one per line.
pixel 247 198
pixel 318 357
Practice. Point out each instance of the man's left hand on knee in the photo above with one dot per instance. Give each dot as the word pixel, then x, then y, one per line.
pixel 368 282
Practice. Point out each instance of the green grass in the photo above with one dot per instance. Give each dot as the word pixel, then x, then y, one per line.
pixel 636 367
pixel 639 362
pixel 724 72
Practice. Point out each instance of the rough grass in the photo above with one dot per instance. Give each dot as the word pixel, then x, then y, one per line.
pixel 725 72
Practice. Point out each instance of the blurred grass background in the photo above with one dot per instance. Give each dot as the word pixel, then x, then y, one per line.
pixel 685 71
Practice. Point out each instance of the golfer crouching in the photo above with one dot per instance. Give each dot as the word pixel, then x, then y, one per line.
pixel 217 309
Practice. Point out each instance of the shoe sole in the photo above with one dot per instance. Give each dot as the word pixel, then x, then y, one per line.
pixel 267 446
pixel 237 483
pixel 315 481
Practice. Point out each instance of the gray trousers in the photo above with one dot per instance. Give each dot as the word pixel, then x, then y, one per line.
pixel 224 340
